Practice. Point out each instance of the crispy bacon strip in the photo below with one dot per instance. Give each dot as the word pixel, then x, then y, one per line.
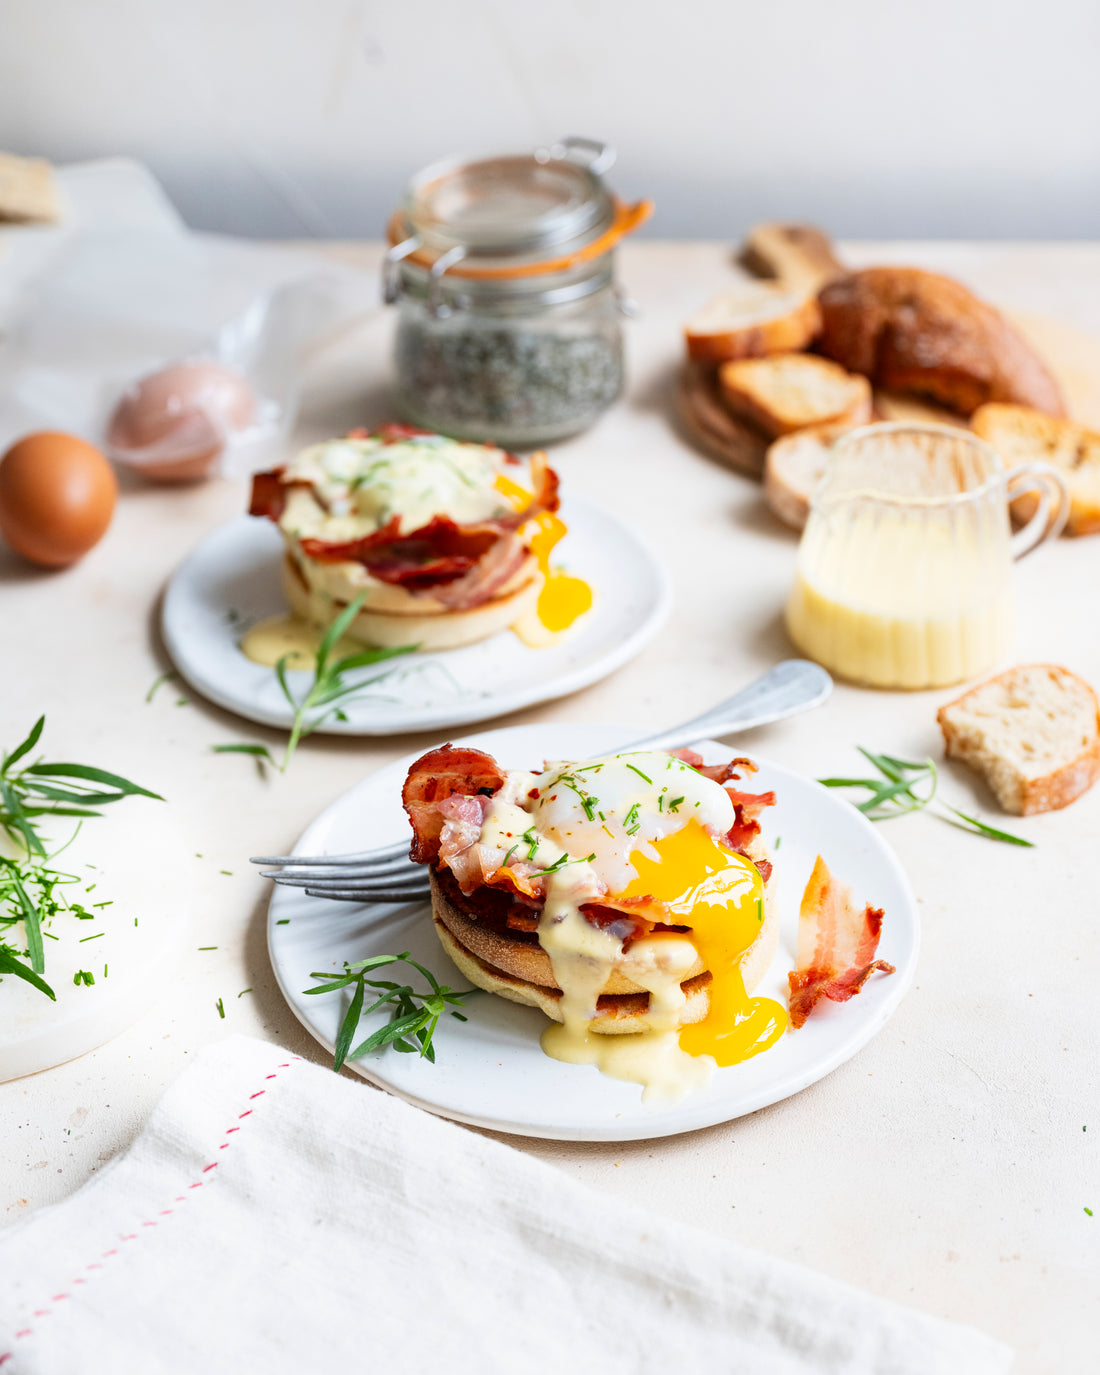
pixel 269 493
pixel 438 552
pixel 489 574
pixel 836 945
pixel 464 565
pixel 436 776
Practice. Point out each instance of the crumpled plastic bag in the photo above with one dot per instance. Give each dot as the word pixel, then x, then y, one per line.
pixel 116 303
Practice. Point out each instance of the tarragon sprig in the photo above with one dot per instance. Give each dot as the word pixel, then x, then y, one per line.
pixel 323 696
pixel 414 1015
pixel 30 887
pixel 908 785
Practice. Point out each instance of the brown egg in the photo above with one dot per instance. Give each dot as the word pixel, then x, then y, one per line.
pixel 57 496
pixel 172 425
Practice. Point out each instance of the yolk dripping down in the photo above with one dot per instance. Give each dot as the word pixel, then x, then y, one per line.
pixel 720 895
pixel 563 598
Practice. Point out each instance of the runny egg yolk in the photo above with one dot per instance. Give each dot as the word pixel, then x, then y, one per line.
pixel 720 895
pixel 563 598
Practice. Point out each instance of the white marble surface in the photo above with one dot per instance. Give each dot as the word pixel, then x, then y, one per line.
pixel 946 1166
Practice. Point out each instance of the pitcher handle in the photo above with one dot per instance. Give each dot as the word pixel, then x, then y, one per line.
pixel 1052 512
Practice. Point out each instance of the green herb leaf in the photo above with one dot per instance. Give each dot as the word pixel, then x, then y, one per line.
pixel 10 964
pixel 909 787
pixel 258 751
pixel 414 1014
pixel 328 687
pixel 124 786
pixel 990 831
pixel 27 745
pixel 348 1025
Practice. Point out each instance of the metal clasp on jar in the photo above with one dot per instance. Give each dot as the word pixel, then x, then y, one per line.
pixel 437 307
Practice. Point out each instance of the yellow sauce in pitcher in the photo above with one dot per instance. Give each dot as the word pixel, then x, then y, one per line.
pixel 895 602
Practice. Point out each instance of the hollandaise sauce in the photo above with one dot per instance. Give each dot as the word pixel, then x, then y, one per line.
pixel 289 637
pixel 895 600
pixel 651 842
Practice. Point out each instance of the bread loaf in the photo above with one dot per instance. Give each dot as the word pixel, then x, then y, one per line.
pixel 798 255
pixel 910 330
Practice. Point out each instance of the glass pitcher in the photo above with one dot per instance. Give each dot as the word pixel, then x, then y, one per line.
pixel 904 575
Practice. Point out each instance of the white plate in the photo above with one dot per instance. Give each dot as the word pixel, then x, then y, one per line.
pixel 136 938
pixel 489 1070
pixel 232 580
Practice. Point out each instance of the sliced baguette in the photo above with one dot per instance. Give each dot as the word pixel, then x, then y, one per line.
pixel 789 391
pixel 794 466
pixel 751 321
pixel 1022 435
pixel 1033 733
pixel 794 254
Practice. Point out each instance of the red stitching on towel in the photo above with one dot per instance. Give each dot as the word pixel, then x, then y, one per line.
pixel 6 1356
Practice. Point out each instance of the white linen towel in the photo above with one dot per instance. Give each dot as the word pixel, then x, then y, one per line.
pixel 274 1217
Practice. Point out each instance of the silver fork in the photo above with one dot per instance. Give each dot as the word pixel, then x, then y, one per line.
pixel 388 875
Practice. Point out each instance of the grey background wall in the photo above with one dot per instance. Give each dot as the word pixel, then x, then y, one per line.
pixel 946 118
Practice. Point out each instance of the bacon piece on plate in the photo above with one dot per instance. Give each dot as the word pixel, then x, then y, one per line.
pixel 436 776
pixel 488 575
pixel 836 945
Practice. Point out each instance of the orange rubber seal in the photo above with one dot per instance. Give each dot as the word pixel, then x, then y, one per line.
pixel 627 218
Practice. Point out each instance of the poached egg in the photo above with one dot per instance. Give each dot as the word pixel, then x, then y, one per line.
pixel 633 825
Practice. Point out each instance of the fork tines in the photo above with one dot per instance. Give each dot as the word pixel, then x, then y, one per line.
pixel 413 883
pixel 362 860
pixel 359 895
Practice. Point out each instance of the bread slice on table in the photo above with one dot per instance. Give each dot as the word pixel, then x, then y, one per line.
pixel 799 255
pixel 752 320
pixel 915 331
pixel 1032 732
pixel 709 425
pixel 1022 435
pixel 793 467
pixel 789 391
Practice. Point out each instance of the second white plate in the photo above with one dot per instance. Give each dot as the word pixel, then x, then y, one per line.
pixel 490 1071
pixel 232 580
